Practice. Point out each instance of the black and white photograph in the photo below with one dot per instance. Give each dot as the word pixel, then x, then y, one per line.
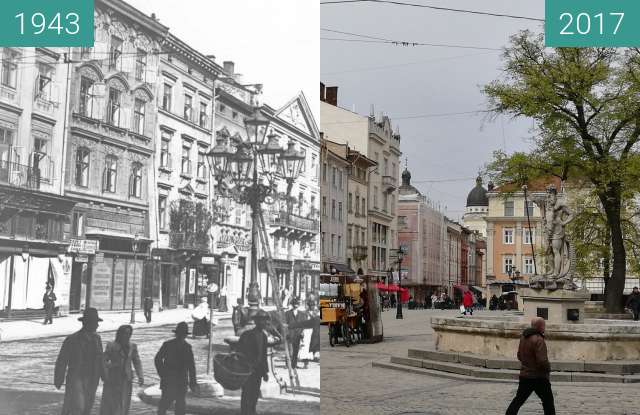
pixel 160 213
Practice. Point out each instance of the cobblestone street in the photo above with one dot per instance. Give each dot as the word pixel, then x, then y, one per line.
pixel 26 375
pixel 351 385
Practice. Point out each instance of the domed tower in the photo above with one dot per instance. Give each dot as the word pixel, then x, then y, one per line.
pixel 477 208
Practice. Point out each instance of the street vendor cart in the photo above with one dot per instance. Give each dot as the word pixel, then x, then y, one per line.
pixel 349 305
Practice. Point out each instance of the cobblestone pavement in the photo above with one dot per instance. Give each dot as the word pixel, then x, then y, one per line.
pixel 26 372
pixel 351 385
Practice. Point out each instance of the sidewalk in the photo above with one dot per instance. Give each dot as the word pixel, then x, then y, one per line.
pixel 62 326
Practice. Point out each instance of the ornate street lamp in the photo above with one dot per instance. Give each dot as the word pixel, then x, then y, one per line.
pixel 245 171
pixel 134 246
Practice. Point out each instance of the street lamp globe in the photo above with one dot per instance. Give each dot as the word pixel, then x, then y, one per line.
pixel 291 162
pixel 241 163
pixel 256 126
pixel 270 153
pixel 219 158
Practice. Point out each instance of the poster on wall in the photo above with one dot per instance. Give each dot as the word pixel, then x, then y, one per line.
pixel 118 285
pixel 134 283
pixel 101 285
pixel 192 281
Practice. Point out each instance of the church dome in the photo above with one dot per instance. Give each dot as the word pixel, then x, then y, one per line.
pixel 478 195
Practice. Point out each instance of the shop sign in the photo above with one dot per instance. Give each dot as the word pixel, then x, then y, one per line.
pixel 99 258
pixel 82 258
pixel 208 260
pixel 84 246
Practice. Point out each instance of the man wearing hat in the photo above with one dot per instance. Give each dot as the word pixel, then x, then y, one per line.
pixel 177 370
pixel 295 335
pixel 81 359
pixel 253 346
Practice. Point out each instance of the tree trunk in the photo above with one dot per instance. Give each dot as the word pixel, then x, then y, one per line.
pixel 611 202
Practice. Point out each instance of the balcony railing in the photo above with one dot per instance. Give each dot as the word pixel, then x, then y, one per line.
pixel 295 221
pixel 20 175
pixel 188 240
pixel 359 252
pixel 389 183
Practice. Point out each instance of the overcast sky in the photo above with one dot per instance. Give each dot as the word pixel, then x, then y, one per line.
pixel 429 81
pixel 273 42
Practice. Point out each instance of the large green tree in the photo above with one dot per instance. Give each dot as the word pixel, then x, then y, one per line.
pixel 586 106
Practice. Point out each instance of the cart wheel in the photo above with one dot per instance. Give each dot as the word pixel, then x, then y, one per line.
pixel 331 334
pixel 346 335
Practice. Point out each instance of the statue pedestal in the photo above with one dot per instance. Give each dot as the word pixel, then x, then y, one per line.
pixel 557 307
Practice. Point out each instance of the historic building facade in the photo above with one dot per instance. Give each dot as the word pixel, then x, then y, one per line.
pixel 421 231
pixel 357 218
pixel 34 214
pixel 181 174
pixel 109 155
pixel 294 222
pixel 374 137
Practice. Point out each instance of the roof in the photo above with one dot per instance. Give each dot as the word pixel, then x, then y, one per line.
pixel 478 195
pixel 535 185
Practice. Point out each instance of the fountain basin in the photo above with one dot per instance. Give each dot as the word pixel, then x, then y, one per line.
pixel 591 340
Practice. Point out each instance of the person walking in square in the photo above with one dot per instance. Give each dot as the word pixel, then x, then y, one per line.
pixel 80 359
pixel 148 307
pixel 535 369
pixel 49 300
pixel 177 370
pixel 633 303
pixel 295 335
pixel 118 358
pixel 467 302
pixel 253 346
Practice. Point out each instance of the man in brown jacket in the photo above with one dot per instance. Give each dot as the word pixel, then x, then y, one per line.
pixel 535 369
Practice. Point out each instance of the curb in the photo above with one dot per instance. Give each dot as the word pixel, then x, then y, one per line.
pixel 104 330
pixel 231 406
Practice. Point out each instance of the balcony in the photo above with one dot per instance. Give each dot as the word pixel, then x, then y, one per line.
pixel 389 184
pixel 189 240
pixel 20 175
pixel 294 226
pixel 359 252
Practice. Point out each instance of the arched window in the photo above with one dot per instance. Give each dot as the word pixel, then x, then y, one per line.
pixel 83 156
pixel 110 174
pixel 135 181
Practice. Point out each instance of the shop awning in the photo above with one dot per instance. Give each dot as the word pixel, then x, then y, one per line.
pixel 404 293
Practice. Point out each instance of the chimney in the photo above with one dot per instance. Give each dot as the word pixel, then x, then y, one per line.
pixel 153 16
pixel 322 92
pixel 332 95
pixel 212 58
pixel 228 67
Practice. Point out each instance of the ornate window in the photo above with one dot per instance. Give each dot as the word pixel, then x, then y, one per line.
pixel 162 211
pixel 167 97
pixel 114 107
pixel 115 53
pixel 135 181
pixel 110 174
pixel 87 98
pixel 139 110
pixel 82 167
pixel 141 65
pixel 9 68
pixel 188 107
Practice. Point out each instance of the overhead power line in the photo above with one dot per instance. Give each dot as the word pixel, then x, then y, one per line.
pixel 398 65
pixel 375 39
pixel 426 6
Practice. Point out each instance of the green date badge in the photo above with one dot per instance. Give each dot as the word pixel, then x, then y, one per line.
pixel 46 23
pixel 592 23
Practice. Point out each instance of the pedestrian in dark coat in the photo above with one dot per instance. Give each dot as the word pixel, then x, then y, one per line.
pixel 176 367
pixel 80 358
pixel 633 303
pixel 253 346
pixel 118 358
pixel 295 335
pixel 49 300
pixel 535 369
pixel 148 306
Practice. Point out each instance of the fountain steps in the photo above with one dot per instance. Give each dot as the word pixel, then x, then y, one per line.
pixel 471 367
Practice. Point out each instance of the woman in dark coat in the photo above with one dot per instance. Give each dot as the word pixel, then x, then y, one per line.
pixel 118 358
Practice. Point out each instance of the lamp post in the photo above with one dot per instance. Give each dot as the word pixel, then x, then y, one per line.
pixel 400 257
pixel 246 171
pixel 134 246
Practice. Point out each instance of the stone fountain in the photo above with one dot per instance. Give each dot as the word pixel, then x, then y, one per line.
pixel 553 296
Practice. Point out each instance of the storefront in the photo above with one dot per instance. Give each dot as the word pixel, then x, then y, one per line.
pixel 307 277
pixel 284 275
